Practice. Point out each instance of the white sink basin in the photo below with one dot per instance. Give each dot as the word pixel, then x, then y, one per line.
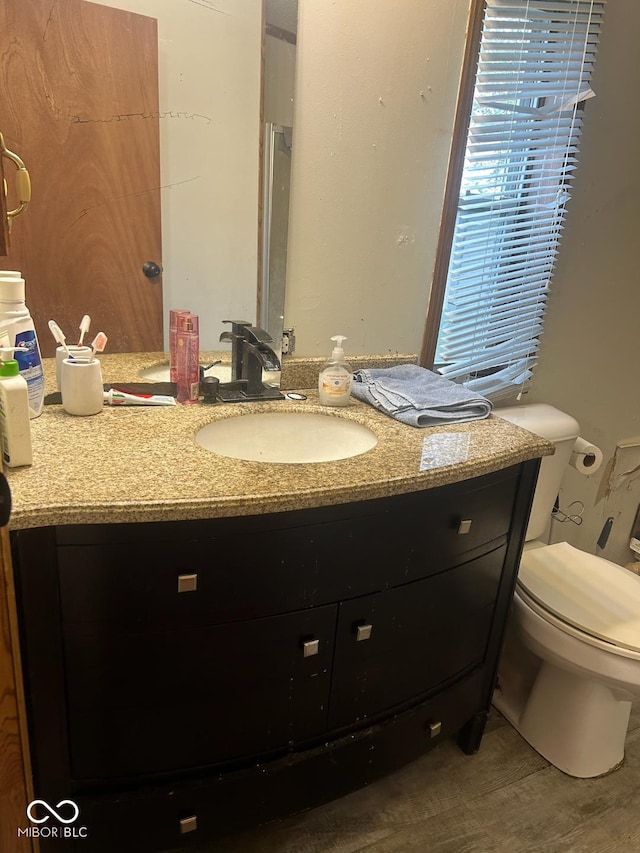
pixel 160 373
pixel 288 437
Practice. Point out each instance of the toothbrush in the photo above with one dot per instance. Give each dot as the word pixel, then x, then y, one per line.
pixel 98 344
pixel 59 336
pixel 84 328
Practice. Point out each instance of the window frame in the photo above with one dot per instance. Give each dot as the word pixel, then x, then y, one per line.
pixel 451 209
pixel 453 182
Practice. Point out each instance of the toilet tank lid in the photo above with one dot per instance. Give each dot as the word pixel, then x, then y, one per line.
pixel 599 598
pixel 541 419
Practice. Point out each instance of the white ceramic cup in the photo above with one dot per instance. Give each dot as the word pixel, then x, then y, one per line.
pixel 61 354
pixel 81 386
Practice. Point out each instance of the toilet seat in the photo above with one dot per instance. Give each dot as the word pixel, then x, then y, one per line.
pixel 584 595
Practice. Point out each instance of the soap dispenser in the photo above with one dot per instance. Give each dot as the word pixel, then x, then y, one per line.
pixel 336 377
pixel 15 427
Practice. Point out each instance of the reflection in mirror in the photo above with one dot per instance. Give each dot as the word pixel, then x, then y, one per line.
pixel 207 117
pixel 216 80
pixel 276 181
pixel 281 23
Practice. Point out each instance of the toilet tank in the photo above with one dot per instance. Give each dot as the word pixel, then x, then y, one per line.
pixel 562 430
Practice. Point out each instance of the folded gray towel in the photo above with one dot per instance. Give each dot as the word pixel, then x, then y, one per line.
pixel 417 396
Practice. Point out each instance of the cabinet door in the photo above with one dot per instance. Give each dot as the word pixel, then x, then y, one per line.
pixel 401 643
pixel 155 701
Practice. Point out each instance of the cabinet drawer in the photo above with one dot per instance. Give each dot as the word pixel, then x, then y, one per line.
pixel 429 535
pixel 241 570
pixel 170 700
pixel 221 579
pixel 404 642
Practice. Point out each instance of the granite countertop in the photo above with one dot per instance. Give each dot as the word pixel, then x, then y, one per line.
pixel 137 463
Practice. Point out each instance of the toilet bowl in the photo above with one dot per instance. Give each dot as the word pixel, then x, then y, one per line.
pixel 570 666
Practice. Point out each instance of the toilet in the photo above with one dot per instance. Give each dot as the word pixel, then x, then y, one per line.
pixel 570 665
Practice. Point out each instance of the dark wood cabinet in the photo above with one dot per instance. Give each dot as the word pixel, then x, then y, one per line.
pixel 404 642
pixel 250 667
pixel 163 701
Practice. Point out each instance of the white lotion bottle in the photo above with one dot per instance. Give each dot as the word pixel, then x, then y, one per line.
pixel 16 320
pixel 15 427
pixel 336 377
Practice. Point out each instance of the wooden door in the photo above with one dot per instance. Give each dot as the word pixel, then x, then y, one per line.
pixel 79 101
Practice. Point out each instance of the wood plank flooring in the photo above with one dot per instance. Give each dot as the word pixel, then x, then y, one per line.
pixel 505 799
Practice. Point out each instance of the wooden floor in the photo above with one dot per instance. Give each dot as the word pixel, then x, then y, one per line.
pixel 505 799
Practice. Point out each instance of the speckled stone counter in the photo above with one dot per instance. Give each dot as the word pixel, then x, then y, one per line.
pixel 130 464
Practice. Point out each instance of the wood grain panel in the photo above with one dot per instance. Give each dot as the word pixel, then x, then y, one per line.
pixel 79 101
pixel 15 781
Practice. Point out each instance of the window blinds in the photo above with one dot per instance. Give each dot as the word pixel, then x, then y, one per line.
pixel 534 71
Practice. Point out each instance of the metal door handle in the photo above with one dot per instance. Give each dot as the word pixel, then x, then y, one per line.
pixel 151 269
pixel 23 181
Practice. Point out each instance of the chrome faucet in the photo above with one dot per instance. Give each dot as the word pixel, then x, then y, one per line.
pixel 251 351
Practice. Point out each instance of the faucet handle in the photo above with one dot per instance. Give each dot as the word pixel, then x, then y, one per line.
pixel 238 325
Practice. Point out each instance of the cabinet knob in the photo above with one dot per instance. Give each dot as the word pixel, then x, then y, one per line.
pixel 188 824
pixel 435 729
pixel 187 583
pixel 363 632
pixel 464 526
pixel 310 648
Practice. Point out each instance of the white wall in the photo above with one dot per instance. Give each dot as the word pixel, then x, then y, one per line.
pixel 376 88
pixel 210 73
pixel 590 355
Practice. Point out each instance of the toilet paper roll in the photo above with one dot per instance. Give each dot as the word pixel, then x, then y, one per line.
pixel 585 457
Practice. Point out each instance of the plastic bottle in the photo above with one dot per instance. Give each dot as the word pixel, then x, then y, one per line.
pixel 188 359
pixel 15 428
pixel 336 377
pixel 16 320
pixel 174 313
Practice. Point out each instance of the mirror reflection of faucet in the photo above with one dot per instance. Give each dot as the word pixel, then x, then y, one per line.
pixel 252 351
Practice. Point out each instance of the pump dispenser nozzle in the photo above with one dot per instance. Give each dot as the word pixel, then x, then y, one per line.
pixel 8 365
pixel 338 351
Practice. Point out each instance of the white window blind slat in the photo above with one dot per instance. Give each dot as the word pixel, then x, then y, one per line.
pixel 493 312
pixel 534 74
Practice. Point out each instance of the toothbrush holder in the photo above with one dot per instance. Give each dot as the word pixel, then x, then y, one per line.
pixel 81 386
pixel 76 352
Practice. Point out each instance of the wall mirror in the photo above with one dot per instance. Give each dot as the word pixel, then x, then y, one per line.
pixel 168 210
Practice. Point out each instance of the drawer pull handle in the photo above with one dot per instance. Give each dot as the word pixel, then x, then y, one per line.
pixel 188 824
pixel 435 729
pixel 363 632
pixel 464 526
pixel 310 648
pixel 187 583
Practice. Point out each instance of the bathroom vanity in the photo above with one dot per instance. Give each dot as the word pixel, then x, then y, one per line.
pixel 210 643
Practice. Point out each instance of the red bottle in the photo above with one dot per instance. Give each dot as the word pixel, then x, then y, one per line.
pixel 188 358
